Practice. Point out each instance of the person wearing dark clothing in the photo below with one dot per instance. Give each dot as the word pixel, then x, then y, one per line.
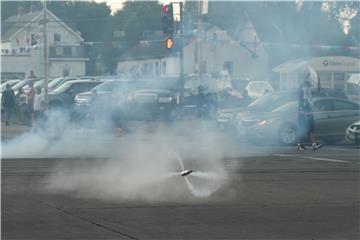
pixel 9 103
pixel 305 115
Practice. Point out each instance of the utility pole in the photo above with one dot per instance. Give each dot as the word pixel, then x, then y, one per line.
pixel 182 77
pixel 46 81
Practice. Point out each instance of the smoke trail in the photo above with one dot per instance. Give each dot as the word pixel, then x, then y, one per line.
pixel 198 192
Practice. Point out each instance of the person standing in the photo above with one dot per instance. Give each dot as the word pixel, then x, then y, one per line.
pixel 305 115
pixel 30 101
pixel 9 103
pixel 39 107
pixel 21 105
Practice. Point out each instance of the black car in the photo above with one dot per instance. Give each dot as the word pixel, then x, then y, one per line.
pixel 63 96
pixel 158 99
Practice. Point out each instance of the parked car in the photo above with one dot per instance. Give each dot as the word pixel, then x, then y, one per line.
pixel 228 118
pixel 63 96
pixel 157 99
pixel 353 87
pixel 353 132
pixel 257 89
pixel 56 82
pixel 105 90
pixel 331 118
pixel 11 82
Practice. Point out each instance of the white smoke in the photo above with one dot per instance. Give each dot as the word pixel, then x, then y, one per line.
pixel 144 165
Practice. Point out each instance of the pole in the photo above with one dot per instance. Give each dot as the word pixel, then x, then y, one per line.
pixel 182 80
pixel 46 81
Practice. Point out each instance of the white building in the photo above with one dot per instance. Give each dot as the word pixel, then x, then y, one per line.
pixel 22 46
pixel 215 52
pixel 333 71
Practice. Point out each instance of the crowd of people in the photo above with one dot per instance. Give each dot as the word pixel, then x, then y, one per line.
pixel 23 108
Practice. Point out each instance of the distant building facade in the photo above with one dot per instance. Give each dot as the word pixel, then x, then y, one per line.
pixel 22 46
pixel 216 52
pixel 333 71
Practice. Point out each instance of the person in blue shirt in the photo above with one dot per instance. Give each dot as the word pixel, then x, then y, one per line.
pixel 305 115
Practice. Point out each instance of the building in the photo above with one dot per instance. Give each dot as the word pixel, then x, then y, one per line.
pixel 333 71
pixel 214 53
pixel 22 46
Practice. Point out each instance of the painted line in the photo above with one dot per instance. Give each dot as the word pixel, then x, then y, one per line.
pixel 316 158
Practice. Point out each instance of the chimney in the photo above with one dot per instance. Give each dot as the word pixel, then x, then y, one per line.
pixel 20 11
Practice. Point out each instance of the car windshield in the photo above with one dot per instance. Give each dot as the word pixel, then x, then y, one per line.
pixel 107 86
pixel 10 82
pixel 63 87
pixel 269 101
pixel 55 82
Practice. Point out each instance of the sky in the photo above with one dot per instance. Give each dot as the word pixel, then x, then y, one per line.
pixel 117 4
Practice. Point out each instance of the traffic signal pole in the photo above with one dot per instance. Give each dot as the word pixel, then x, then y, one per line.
pixel 182 77
pixel 45 43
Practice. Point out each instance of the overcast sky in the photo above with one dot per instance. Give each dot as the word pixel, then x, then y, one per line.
pixel 117 4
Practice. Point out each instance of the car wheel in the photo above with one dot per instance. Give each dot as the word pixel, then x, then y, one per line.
pixel 288 134
pixel 357 139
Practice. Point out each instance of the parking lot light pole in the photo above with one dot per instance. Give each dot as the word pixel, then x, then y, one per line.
pixel 46 81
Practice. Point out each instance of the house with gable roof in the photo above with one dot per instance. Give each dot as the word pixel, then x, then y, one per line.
pixel 22 46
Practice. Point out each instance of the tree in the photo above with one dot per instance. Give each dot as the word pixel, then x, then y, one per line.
pixel 135 18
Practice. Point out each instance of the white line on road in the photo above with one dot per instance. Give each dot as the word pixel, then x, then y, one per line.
pixel 316 158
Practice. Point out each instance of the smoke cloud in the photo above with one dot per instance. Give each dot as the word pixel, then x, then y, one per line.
pixel 143 165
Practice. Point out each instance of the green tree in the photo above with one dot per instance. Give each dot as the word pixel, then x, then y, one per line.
pixel 135 18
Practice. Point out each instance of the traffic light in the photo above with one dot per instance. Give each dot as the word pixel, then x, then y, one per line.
pixel 169 43
pixel 168 19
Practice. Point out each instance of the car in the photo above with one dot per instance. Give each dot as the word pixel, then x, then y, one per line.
pixel 353 132
pixel 56 82
pixel 157 99
pixel 227 118
pixel 11 82
pixel 331 117
pixel 353 87
pixel 257 89
pixel 63 96
pixel 105 90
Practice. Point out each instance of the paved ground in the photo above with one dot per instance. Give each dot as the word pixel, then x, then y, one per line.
pixel 270 193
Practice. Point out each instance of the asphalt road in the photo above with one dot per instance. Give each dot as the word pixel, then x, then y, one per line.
pixel 269 193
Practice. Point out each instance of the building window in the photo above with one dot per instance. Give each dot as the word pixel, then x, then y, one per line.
pixel 57 37
pixel 67 51
pixel 163 68
pixel 325 79
pixel 203 67
pixel 157 70
pixel 339 81
pixel 74 51
pixel 33 39
pixel 59 51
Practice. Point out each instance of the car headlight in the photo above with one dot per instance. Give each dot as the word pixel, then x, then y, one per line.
pixel 165 99
pixel 264 122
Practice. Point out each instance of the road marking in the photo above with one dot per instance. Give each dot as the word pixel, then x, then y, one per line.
pixel 316 158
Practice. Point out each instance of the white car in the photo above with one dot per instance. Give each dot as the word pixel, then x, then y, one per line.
pixel 257 89
pixel 353 132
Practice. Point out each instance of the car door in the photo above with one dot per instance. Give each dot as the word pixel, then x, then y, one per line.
pixel 323 123
pixel 344 113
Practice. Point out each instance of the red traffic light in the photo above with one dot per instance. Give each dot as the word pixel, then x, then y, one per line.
pixel 165 8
